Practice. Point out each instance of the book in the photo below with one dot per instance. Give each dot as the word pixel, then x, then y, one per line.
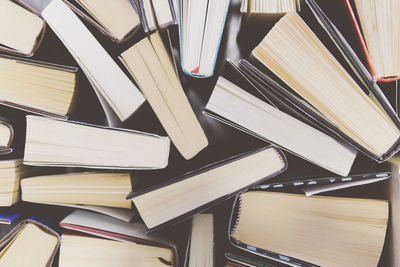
pixel 333 92
pixel 38 87
pixel 201 241
pixel 164 12
pixel 201 24
pixel 11 172
pixel 156 14
pixel 8 215
pixel 99 189
pixel 20 246
pixel 269 7
pixel 115 91
pixel 150 65
pixel 378 22
pixel 22 31
pixel 234 106
pixel 104 226
pixel 77 250
pixel 55 142
pixel 118 20
pixel 392 192
pixel 6 137
pixel 187 195
pixel 296 230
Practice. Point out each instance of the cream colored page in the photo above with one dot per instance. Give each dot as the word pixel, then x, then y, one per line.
pixel 319 230
pixel 20 29
pixel 117 16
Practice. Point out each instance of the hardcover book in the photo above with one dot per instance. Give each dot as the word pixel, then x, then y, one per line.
pixel 112 229
pixel 192 193
pixel 118 20
pixel 296 230
pixel 236 107
pixel 38 87
pixel 55 142
pixel 21 31
pixel 344 109
pixel 201 24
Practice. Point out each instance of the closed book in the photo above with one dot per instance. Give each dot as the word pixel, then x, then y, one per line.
pixel 185 196
pixel 38 87
pixel 315 231
pixel 236 107
pixel 20 247
pixel 110 228
pixel 119 20
pixel 55 142
pixel 21 31
pixel 201 25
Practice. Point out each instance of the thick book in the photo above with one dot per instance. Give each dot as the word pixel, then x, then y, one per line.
pixel 115 91
pixel 200 249
pixel 55 142
pixel 90 188
pixel 22 31
pixel 234 106
pixel 378 36
pixel 340 103
pixel 322 231
pixel 150 65
pixel 109 228
pixel 20 246
pixel 200 24
pixel 119 20
pixel 38 87
pixel 185 196
pixel 11 172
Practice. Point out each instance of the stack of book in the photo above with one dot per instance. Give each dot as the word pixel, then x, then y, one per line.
pixel 232 133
